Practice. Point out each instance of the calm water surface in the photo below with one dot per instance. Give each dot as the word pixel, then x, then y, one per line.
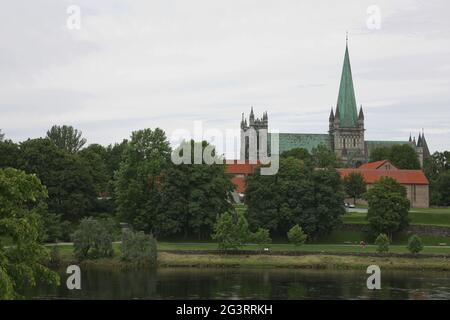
pixel 205 283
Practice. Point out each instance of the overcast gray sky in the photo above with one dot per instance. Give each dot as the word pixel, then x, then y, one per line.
pixel 137 64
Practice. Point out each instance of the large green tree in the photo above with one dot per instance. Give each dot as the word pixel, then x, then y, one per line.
pixel 354 185
pixel 324 157
pixel 193 194
pixel 9 154
pixel 296 195
pixel 403 156
pixel 70 186
pixel 231 231
pixel 66 138
pixel 388 207
pixel 94 159
pixel 437 170
pixel 138 180
pixel 22 264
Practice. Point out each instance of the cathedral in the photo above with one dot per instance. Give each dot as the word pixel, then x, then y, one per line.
pixel 345 135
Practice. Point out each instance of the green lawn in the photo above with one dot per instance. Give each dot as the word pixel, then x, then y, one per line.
pixel 429 216
pixel 67 250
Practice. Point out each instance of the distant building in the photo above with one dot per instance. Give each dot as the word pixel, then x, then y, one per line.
pixel 345 135
pixel 415 181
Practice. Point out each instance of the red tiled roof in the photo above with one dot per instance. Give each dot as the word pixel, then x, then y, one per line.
pixel 240 184
pixel 402 176
pixel 234 167
pixel 373 165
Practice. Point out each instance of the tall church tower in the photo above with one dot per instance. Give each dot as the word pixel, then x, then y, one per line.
pixel 254 136
pixel 346 125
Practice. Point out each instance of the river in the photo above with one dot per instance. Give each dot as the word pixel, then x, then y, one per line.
pixel 208 283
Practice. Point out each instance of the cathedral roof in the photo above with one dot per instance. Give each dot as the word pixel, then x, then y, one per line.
pixel 308 141
pixel 346 104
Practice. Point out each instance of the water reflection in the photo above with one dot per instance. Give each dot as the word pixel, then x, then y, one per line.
pixel 193 283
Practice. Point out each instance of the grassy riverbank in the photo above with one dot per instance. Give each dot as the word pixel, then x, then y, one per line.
pixel 313 261
pixel 313 257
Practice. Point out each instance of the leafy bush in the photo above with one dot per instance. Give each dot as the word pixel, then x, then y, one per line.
pixel 296 235
pixel 231 231
pixel 55 256
pixel 93 239
pixel 261 237
pixel 382 242
pixel 415 244
pixel 139 247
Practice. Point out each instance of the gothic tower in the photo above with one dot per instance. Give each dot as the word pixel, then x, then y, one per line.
pixel 346 125
pixel 254 135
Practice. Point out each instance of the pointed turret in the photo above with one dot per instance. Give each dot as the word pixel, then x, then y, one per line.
pixel 410 139
pixel 419 140
pixel 337 115
pixel 331 118
pixel 426 150
pixel 252 117
pixel 242 121
pixel 346 105
pixel 361 114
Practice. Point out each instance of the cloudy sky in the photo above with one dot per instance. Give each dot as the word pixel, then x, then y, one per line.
pixel 168 63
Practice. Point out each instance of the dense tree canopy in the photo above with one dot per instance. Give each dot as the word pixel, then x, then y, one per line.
pixel 94 159
pixel 300 154
pixel 22 199
pixel 66 138
pixel 403 156
pixel 388 207
pixel 324 157
pixel 137 182
pixel 70 186
pixel 437 170
pixel 9 154
pixel 195 193
pixel 354 185
pixel 299 195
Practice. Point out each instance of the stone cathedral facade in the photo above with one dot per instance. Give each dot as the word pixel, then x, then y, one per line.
pixel 346 134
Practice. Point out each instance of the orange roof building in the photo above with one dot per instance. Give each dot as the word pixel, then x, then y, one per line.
pixel 415 181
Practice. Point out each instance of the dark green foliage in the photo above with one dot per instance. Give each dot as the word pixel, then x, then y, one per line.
pixel 231 231
pixel 296 195
pixel 139 248
pixel 9 154
pixel 261 237
pixel 94 159
pixel 93 239
pixel 193 194
pixel 382 243
pixel 300 154
pixel 354 185
pixel 380 153
pixel 388 207
pixel 55 256
pixel 324 157
pixel 403 156
pixel 70 186
pixel 415 244
pixel 22 199
pixel 296 235
pixel 441 189
pixel 137 182
pixel 437 170
pixel 67 138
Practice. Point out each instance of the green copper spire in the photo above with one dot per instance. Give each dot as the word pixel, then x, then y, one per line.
pixel 346 101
